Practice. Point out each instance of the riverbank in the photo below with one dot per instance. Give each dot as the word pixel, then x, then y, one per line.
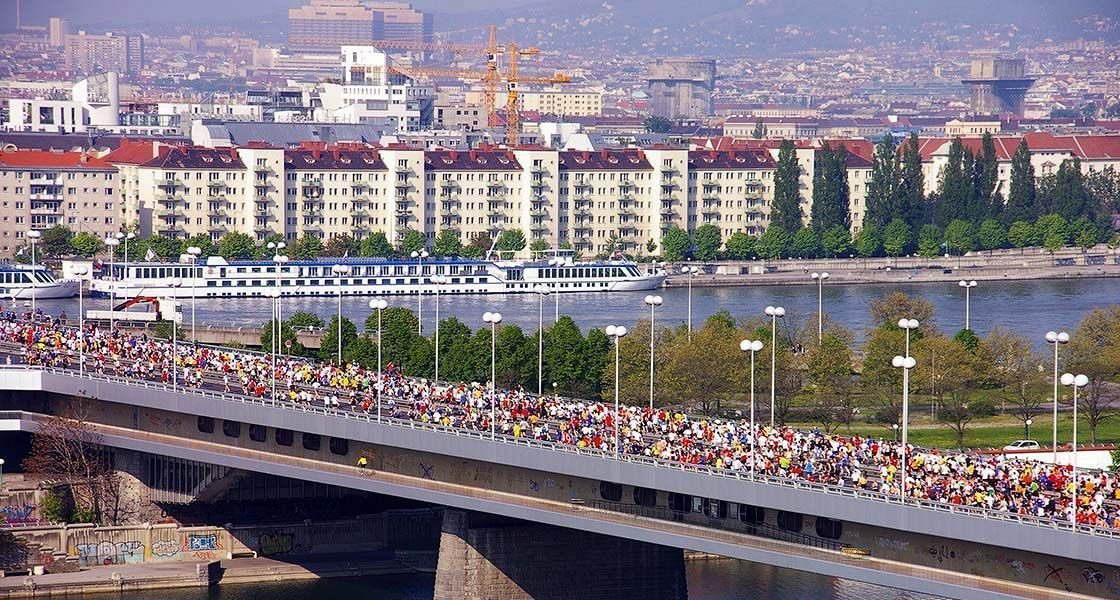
pixel 172 575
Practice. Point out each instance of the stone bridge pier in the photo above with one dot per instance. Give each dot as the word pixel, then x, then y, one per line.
pixel 482 557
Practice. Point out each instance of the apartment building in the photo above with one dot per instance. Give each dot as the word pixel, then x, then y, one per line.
pixel 40 189
pixel 473 193
pixel 92 54
pixel 336 192
pixel 731 190
pixel 563 103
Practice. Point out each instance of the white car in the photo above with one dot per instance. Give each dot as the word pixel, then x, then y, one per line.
pixel 1020 445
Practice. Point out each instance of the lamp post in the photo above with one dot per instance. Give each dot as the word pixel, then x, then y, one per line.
pixel 33 239
pixel 175 283
pixel 112 243
pixel 1 474
pixel 967 285
pixel 556 262
pixel 907 325
pixel 1074 381
pixel 690 271
pixel 774 312
pixel 275 248
pixel 542 291
pixel 378 305
pixel 280 260
pixel 493 318
pixel 126 238
pixel 653 302
pixel 905 363
pixel 420 256
pixel 752 346
pixel 894 426
pixel 1057 339
pixel 339 272
pixel 617 332
pixel 439 281
pixel 820 277
pixel 80 272
pixel 1028 423
pixel 194 252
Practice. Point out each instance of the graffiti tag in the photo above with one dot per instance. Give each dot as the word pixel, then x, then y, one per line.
pixel 276 543
pixel 202 542
pixel 165 548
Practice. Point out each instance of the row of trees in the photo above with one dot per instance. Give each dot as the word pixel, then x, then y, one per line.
pixel 961 376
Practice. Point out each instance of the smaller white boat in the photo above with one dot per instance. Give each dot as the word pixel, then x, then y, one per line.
pixel 23 282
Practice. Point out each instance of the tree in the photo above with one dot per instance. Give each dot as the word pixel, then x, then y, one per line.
pixel 1085 233
pixel 805 243
pixel 868 242
pixel 911 188
pixel 413 241
pixel 830 190
pixel 656 124
pixel 263 252
pixel 1053 231
pixel 674 244
pixel 307 247
pixel 540 245
pixel 86 244
pixel 511 240
pixel 706 241
pixel 786 207
pixel 1015 368
pixel 960 237
pixel 883 189
pixel 837 241
pixel 234 246
pixel 991 235
pixel 55 242
pixel 447 243
pixel 896 239
pixel 695 371
pixel 759 130
pixel 929 240
pixel 1094 350
pixel 342 246
pixel 480 244
pixel 829 372
pixel 773 243
pixel 1103 187
pixel 1021 197
pixel 399 334
pixel 987 199
pixel 741 246
pixel 287 334
pixel 377 244
pixel 302 319
pixel 167 248
pixel 328 344
pixel 1069 197
pixel 954 190
pixel 1022 234
pixel 887 311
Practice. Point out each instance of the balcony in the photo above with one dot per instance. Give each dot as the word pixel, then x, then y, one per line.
pixel 538 212
pixel 668 170
pixel 584 203
pixel 267 185
pixel 358 213
pixel 46 209
pixel 265 169
pixel 626 212
pixel 170 183
pixel 360 227
pixel 169 198
pixel 626 186
pixel 709 203
pixel 312 189
pixel 447 220
pixel 170 231
pixel 538 228
pixel 216 227
pixel 50 196
pixel 216 185
pixel 449 184
pixel 496 185
pixel 538 170
pixel 403 170
pixel 313 225
pixel 450 204
pixel 263 214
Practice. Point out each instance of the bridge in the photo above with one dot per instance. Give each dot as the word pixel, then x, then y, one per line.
pixel 603 525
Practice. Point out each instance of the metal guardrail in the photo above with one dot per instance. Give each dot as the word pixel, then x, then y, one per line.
pixel 783 482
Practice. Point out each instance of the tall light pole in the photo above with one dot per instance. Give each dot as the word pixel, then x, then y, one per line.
pixel 967 285
pixel 542 291
pixel 80 272
pixel 120 236
pixel 907 325
pixel 279 260
pixel 617 332
pixel 33 239
pixel 1057 339
pixel 275 248
pixel 194 252
pixel 653 302
pixel 775 313
pixel 493 318
pixel 1028 423
pixel 339 272
pixel 752 346
pixel 112 243
pixel 278 331
pixel 820 277
pixel 420 256
pixel 439 281
pixel 556 262
pixel 378 305
pixel 1074 381
pixel 690 271
pixel 905 363
pixel 175 283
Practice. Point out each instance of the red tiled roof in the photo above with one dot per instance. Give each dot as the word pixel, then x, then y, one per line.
pixel 481 160
pixel 604 160
pixel 315 159
pixel 132 152
pixel 181 157
pixel 51 160
pixel 732 159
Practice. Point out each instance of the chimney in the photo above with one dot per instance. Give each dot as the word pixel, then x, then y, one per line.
pixel 474 156
pixel 454 155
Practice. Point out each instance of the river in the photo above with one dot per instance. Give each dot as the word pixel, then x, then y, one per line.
pixel 707 580
pixel 1029 307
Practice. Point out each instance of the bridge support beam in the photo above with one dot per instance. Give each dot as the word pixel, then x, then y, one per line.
pixel 481 558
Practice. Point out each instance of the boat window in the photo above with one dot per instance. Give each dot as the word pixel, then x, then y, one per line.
pixel 23 278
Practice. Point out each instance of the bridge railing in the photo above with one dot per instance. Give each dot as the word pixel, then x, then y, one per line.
pixel 784 482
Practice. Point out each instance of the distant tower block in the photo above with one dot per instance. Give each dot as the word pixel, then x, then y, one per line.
pixel 998 86
pixel 682 87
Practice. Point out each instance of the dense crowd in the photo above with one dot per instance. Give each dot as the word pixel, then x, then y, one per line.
pixel 994 481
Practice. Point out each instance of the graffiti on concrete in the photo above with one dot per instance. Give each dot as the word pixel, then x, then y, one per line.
pixel 197 543
pixel 533 485
pixel 427 470
pixel 1092 575
pixel 17 514
pixel 893 544
pixel 1055 572
pixel 942 552
pixel 165 548
pixel 109 553
pixel 275 543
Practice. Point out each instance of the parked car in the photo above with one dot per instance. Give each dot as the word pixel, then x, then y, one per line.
pixel 1019 445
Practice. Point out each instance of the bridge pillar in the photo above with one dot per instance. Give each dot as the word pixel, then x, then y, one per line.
pixel 483 558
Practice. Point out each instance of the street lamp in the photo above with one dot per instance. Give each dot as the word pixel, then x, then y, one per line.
pixel 420 256
pixel 80 272
pixel 775 313
pixel 439 281
pixel 905 363
pixel 653 302
pixel 493 318
pixel 112 243
pixel 1075 381
pixel 690 271
pixel 126 238
pixel 378 305
pixel 194 252
pixel 556 262
pixel 1028 423
pixel 752 346
pixel 33 239
pixel 1057 339
pixel 175 283
pixel 339 272
pixel 967 285
pixel 275 248
pixel 542 291
pixel 1 474
pixel 279 260
pixel 894 426
pixel 820 277
pixel 907 325
pixel 617 332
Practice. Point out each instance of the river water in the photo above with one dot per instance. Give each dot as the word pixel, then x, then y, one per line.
pixel 1028 307
pixel 707 580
